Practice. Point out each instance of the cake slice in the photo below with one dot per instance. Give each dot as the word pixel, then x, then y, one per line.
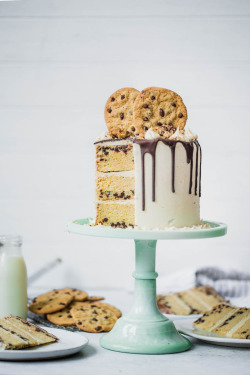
pixel 201 298
pixel 17 333
pixel 173 304
pixel 192 301
pixel 227 321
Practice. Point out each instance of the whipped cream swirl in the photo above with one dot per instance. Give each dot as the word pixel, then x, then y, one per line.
pixel 186 136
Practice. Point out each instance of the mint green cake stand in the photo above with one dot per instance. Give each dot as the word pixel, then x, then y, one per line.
pixel 144 330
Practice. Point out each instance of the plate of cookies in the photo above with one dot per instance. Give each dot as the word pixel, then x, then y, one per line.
pixel 73 310
pixel 22 340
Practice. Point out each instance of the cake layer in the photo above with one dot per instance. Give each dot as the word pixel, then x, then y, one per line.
pixel 114 156
pixel 115 186
pixel 117 215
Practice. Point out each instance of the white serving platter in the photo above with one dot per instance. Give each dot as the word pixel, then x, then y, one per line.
pixel 186 326
pixel 69 343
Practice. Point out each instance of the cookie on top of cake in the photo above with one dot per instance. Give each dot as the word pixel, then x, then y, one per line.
pixel 148 165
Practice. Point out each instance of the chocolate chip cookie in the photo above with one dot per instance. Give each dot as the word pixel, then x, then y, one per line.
pixel 52 301
pixel 93 319
pixel 118 112
pixel 63 317
pixel 79 295
pixel 106 306
pixel 160 109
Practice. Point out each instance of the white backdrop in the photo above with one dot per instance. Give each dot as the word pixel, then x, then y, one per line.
pixel 59 62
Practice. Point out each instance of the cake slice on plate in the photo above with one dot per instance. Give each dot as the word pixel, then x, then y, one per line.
pixel 227 321
pixel 17 333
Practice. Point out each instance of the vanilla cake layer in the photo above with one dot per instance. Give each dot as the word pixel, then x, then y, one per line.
pixel 117 215
pixel 114 156
pixel 115 186
pixel 227 321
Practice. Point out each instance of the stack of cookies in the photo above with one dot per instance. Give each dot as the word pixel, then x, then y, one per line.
pixel 73 307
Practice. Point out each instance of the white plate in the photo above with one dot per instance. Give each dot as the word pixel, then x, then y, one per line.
pixel 182 317
pixel 186 326
pixel 69 343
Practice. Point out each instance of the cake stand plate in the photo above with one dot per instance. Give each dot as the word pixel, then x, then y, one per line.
pixel 145 330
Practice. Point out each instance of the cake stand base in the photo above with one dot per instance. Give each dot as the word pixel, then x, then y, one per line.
pixel 145 330
pixel 130 336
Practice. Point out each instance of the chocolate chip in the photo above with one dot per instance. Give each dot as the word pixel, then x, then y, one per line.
pixel 145 128
pixel 170 124
pixel 62 303
pixel 109 110
pixel 159 123
pixel 95 320
pixel 133 128
pixel 112 99
pixel 98 328
pixel 105 220
pixel 173 104
pixel 123 97
pixel 180 115
pixel 79 323
pixel 145 105
pixel 162 113
pixel 122 115
pixel 152 97
pixel 145 118
pixel 69 316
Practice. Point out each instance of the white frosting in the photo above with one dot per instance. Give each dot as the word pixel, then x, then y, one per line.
pixel 170 210
pixel 150 134
pixel 187 136
pixel 103 136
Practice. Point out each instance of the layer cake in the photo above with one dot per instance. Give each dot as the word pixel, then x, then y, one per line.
pixel 150 179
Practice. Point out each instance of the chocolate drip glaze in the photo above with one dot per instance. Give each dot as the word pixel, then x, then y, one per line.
pixel 196 166
pixel 200 173
pixel 149 147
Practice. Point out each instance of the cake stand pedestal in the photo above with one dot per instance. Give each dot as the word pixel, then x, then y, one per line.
pixel 144 329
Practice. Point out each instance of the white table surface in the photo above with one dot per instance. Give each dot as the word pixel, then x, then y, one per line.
pixel 201 359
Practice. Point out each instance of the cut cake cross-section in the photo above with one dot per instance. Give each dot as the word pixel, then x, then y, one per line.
pixel 227 321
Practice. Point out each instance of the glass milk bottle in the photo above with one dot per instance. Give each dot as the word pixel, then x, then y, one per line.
pixel 13 278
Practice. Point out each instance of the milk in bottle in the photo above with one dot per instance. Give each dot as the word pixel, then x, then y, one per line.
pixel 13 278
